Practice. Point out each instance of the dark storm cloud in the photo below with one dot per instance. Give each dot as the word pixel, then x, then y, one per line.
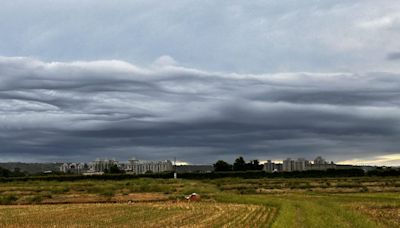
pixel 84 110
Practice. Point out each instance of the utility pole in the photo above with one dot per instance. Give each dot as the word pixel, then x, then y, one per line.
pixel 175 174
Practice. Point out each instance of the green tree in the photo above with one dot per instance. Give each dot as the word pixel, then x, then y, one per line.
pixel 222 166
pixel 254 165
pixel 114 169
pixel 5 172
pixel 239 164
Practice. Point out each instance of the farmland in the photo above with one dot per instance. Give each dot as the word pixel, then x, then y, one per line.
pixel 230 202
pixel 138 215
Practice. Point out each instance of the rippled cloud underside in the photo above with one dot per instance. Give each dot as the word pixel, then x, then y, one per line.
pixel 82 110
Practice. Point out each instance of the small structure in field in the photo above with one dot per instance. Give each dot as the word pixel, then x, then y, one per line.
pixel 193 197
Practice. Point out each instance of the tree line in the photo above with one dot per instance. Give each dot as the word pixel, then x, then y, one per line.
pixel 239 165
pixel 8 173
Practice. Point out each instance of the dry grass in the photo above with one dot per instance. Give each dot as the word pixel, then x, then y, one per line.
pixel 93 198
pixel 163 214
pixel 231 202
pixel 388 214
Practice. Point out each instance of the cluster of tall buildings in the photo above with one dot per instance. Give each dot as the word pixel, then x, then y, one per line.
pixel 140 167
pixel 133 166
pixel 73 167
pixel 101 165
pixel 300 164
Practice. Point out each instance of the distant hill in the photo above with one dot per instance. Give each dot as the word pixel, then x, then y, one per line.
pixel 31 168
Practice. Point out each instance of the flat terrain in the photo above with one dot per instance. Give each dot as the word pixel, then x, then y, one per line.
pixel 165 214
pixel 227 202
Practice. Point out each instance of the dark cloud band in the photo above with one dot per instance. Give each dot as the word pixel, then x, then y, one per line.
pixel 83 110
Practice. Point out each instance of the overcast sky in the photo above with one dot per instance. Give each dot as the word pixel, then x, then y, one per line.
pixel 200 80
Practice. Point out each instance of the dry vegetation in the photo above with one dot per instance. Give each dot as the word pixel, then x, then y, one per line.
pixel 227 202
pixel 162 214
pixel 385 213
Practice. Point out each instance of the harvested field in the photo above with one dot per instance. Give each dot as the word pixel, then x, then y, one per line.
pixel 93 198
pixel 163 214
pixel 384 213
pixel 227 202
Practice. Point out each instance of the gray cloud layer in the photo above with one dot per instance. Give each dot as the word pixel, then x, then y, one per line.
pixel 393 56
pixel 83 110
pixel 236 35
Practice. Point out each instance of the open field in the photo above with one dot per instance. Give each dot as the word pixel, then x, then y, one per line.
pixel 164 214
pixel 229 202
